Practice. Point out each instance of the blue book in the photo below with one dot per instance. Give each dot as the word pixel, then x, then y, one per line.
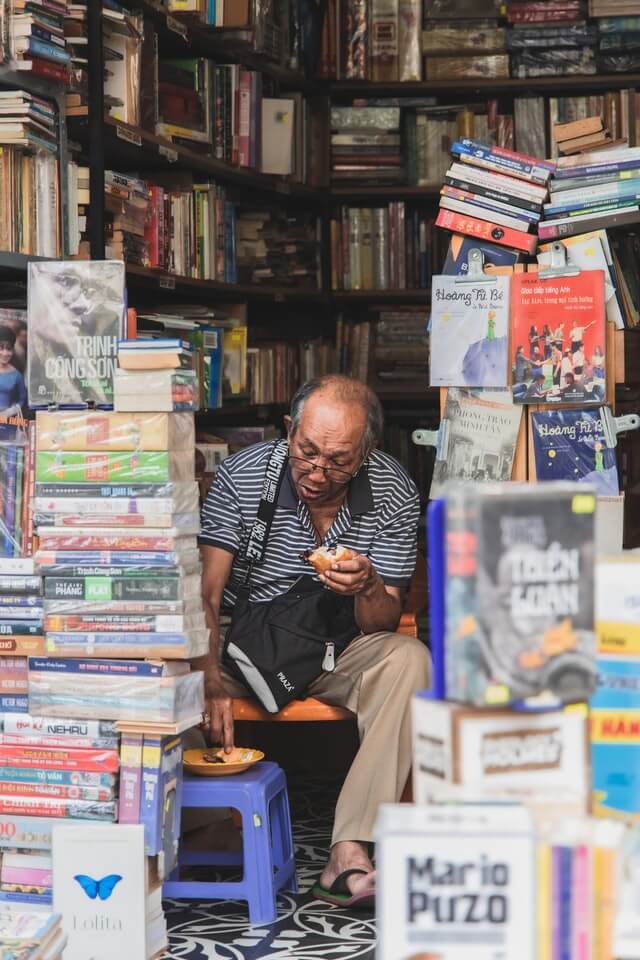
pixel 8 519
pixel 15 898
pixel 436 560
pixel 528 167
pixel 569 173
pixel 617 199
pixel 114 668
pixel 571 445
pixel 618 24
pixel 11 704
pixel 161 798
pixel 117 639
pixel 49 51
pixel 615 741
pixel 457 261
pixel 68 778
pixel 565 878
pixel 28 833
pixel 114 558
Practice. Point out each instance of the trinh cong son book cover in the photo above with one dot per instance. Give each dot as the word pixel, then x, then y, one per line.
pixel 76 315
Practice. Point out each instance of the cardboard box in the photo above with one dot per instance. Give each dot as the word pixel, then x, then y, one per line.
pixel 455 882
pixel 469 753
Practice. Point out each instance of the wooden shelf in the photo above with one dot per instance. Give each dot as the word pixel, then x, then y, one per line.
pixel 382 296
pixel 167 284
pixel 395 192
pixel 17 262
pixel 344 89
pixel 190 38
pixel 128 147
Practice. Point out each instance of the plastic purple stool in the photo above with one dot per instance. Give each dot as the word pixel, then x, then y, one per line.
pixel 260 795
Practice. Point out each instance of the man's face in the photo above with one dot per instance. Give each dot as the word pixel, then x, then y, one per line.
pixel 330 435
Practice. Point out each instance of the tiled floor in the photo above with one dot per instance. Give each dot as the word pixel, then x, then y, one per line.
pixel 306 929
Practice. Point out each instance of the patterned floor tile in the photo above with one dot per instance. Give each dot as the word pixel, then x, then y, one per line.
pixel 306 928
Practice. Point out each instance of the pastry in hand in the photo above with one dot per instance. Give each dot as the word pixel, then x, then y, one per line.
pixel 324 557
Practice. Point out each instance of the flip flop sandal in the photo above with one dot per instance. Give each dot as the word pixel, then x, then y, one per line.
pixel 340 896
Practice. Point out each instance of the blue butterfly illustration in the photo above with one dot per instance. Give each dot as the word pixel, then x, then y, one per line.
pixel 98 888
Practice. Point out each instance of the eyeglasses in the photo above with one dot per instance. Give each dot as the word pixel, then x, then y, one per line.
pixel 333 473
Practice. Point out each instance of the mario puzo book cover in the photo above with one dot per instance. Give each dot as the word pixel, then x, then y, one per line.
pixel 455 882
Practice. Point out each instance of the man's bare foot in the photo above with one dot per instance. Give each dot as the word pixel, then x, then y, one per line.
pixel 349 855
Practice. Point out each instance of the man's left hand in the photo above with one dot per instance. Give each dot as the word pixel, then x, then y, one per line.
pixel 351 577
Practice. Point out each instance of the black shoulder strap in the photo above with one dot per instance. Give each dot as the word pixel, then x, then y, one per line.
pixel 267 507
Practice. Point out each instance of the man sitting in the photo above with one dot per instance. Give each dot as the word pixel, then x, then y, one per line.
pixel 337 489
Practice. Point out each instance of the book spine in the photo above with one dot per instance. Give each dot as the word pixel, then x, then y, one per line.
pixel 150 798
pixel 127 668
pixel 25 833
pixel 59 759
pixel 497 181
pixel 483 230
pixel 60 791
pixel 514 164
pixel 76 541
pixel 130 778
pixel 19 628
pixel 48 51
pixel 384 40
pixel 70 778
pixel 356 37
pixel 581 915
pixel 22 876
pixel 8 517
pixel 409 27
pixel 116 558
pixel 12 704
pixel 244 119
pixel 603 903
pixel 595 169
pixel 59 743
pixel 20 585
pixel 46 807
pixel 553 229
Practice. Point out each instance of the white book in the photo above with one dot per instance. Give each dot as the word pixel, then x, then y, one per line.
pixel 456 881
pixel 483 213
pixel 469 333
pixel 99 876
pixel 498 181
pixel 277 135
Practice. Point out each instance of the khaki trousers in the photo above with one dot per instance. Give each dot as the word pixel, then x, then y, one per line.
pixel 376 678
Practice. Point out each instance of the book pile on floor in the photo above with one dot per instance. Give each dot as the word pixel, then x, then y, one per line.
pixel 501 741
pixel 24 936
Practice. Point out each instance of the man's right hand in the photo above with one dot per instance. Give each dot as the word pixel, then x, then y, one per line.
pixel 220 706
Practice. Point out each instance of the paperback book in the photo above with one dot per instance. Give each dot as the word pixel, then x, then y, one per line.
pixel 519 594
pixel 76 315
pixel 469 332
pixel 572 445
pixel 478 438
pixel 558 338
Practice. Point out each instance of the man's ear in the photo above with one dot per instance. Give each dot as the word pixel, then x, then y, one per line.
pixel 287 423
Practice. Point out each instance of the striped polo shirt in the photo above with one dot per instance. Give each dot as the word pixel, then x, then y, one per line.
pixel 378 518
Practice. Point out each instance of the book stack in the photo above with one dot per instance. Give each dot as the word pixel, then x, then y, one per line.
pixel 614 8
pixel 550 39
pixel 400 356
pixel 365 145
pixel 510 628
pixel 28 937
pixel 273 248
pixel 593 191
pixel 29 123
pixel 36 38
pixel 462 48
pixel 583 136
pixel 127 204
pixel 119 554
pixel 123 37
pixel 381 248
pixel 21 630
pixel 494 195
pixel 50 769
pixel 619 43
pixel 156 374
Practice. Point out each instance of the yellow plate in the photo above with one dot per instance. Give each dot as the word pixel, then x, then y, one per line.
pixel 241 759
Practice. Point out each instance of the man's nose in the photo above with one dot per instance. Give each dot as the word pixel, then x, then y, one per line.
pixel 318 470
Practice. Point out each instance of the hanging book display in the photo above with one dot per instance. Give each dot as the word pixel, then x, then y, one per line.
pixel 76 316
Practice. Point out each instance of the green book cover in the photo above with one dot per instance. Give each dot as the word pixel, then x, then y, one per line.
pixel 121 467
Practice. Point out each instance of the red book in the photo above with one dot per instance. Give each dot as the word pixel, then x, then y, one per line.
pixel 558 338
pixel 46 68
pixel 79 541
pixel 244 118
pixel 483 230
pixel 99 761
pixel 57 790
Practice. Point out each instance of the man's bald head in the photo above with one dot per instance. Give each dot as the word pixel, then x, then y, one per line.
pixel 334 389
